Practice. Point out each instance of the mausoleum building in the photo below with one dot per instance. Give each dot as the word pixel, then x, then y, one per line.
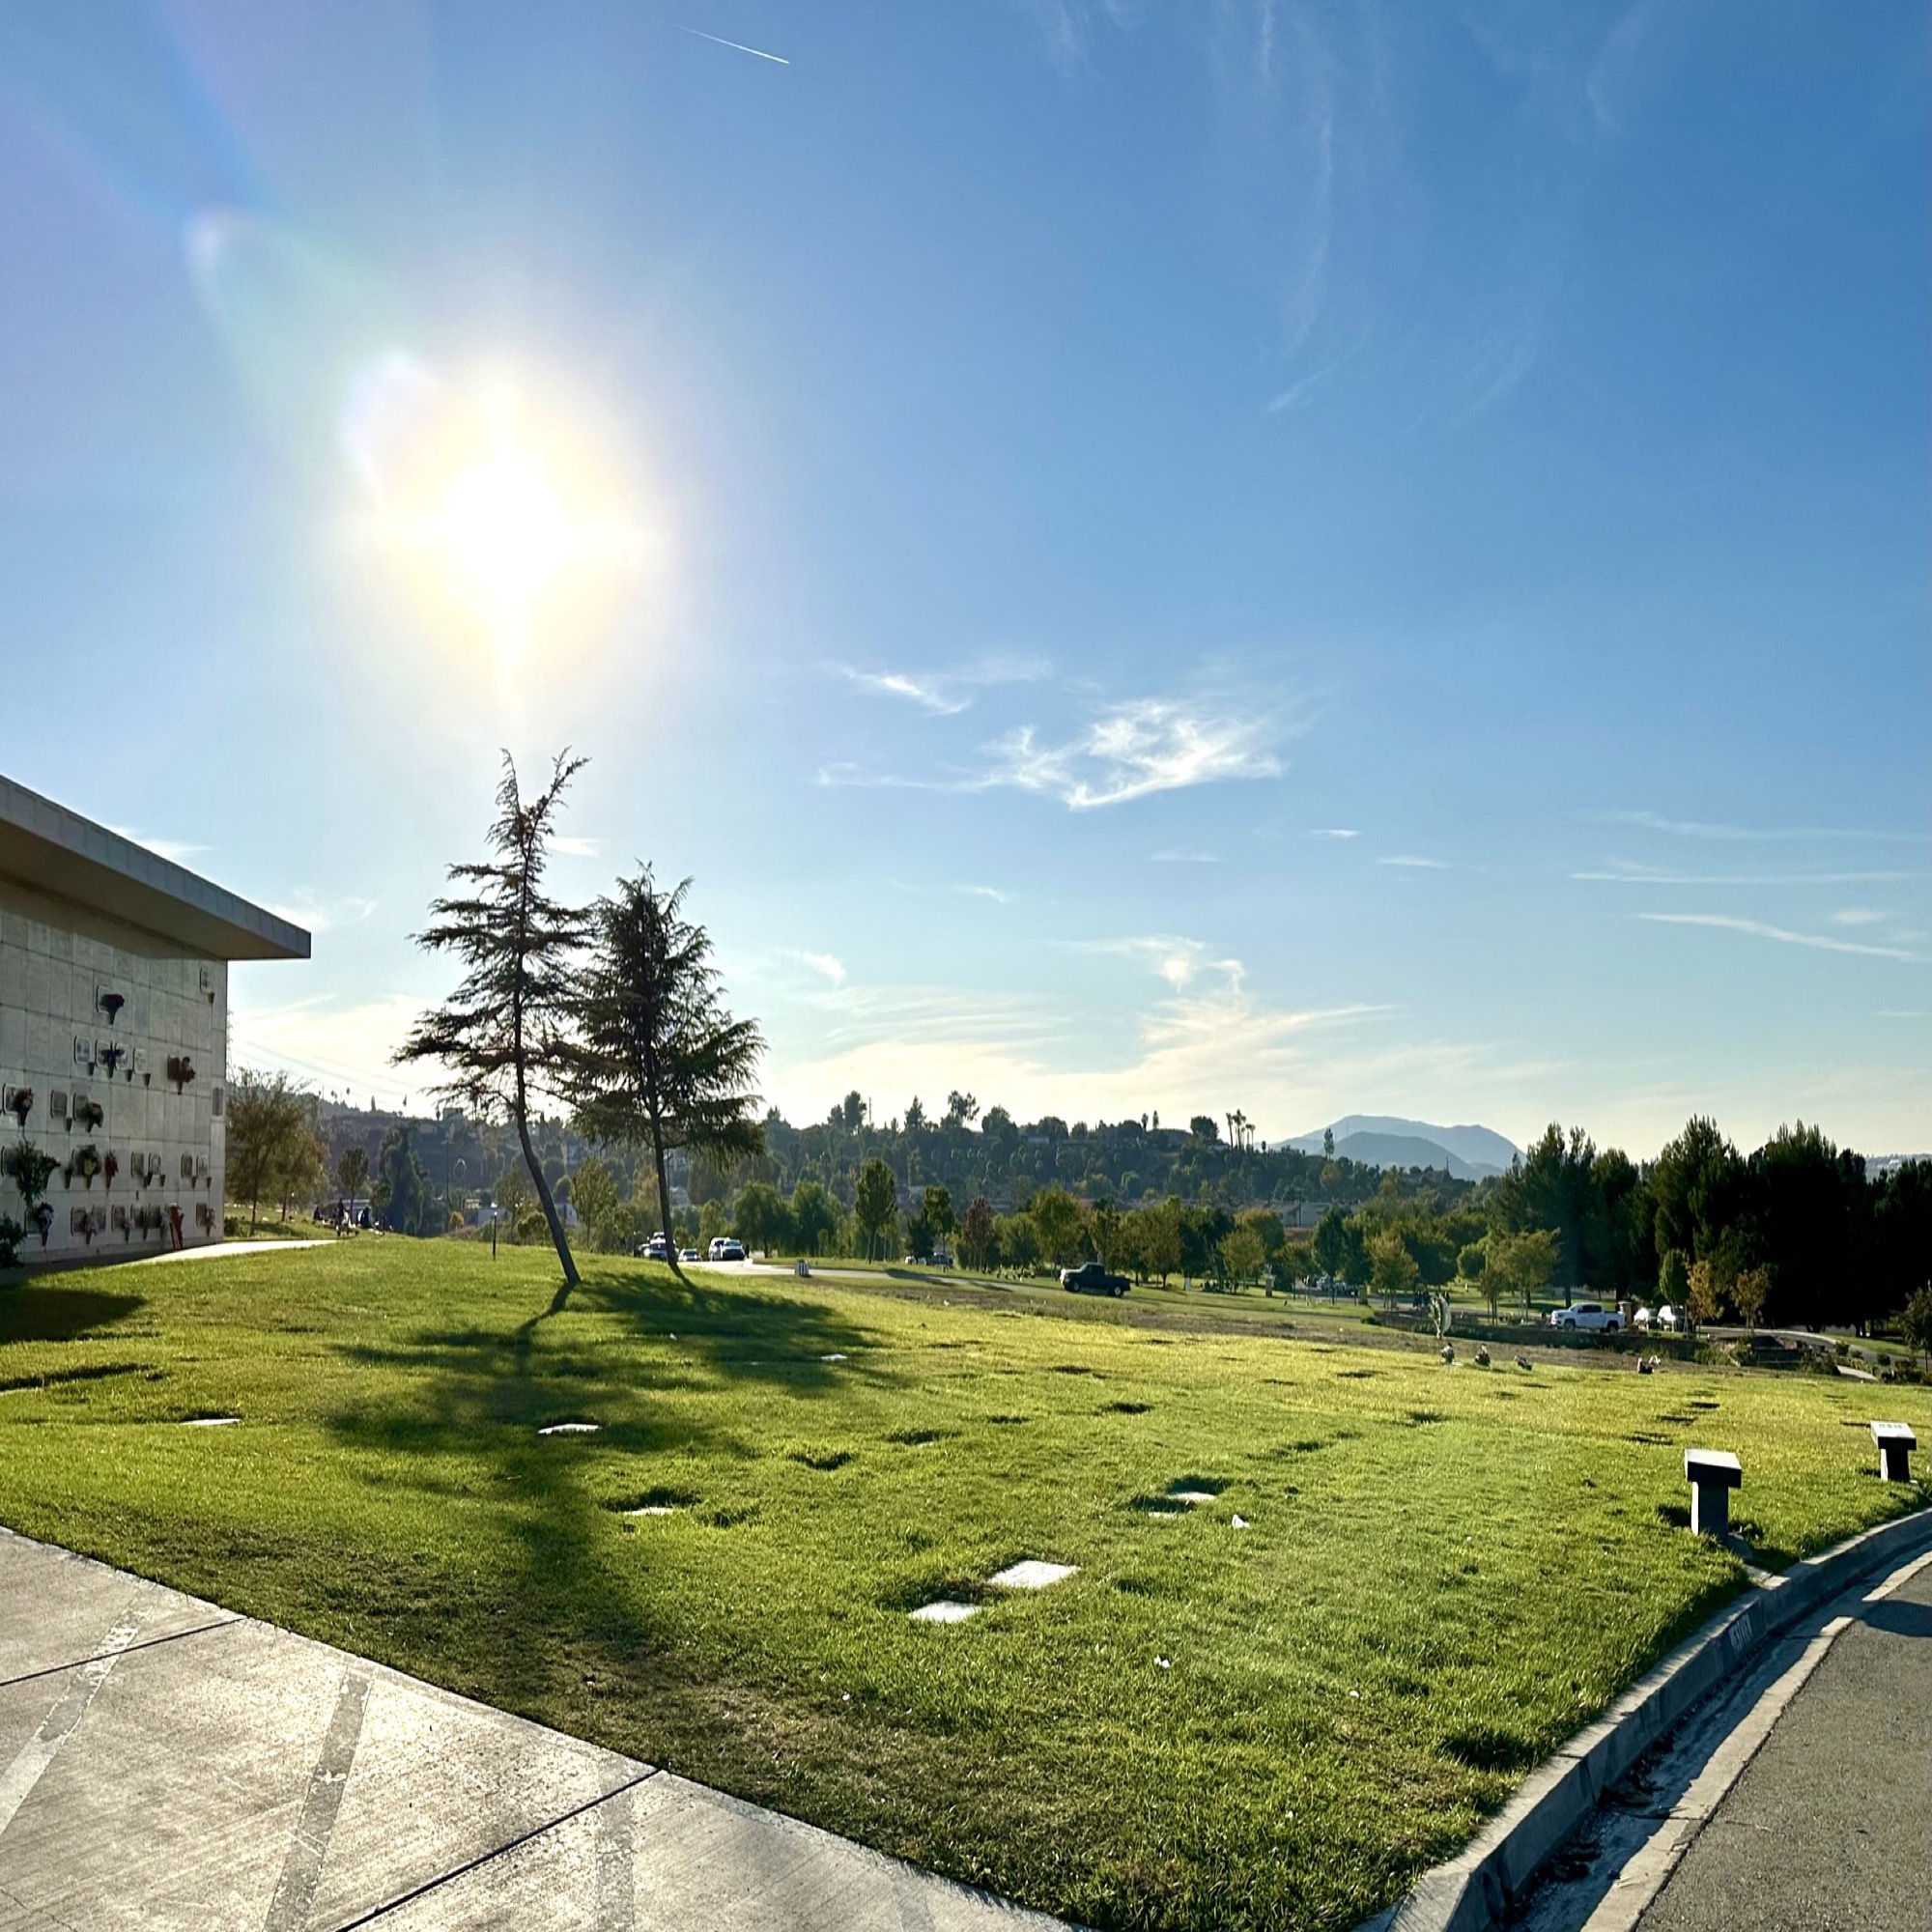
pixel 114 1033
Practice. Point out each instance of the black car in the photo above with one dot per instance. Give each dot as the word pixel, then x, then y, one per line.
pixel 1093 1278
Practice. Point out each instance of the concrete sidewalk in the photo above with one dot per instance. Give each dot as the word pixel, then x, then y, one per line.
pixel 164 1764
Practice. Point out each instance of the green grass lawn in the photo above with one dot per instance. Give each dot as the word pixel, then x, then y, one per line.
pixel 1445 1572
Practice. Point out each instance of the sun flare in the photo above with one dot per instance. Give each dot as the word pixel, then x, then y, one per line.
pixel 506 533
pixel 500 510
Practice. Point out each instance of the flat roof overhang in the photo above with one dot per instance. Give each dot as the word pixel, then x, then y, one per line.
pixel 68 857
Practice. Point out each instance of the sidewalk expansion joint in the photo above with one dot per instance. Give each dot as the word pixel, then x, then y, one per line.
pixel 489 1856
pixel 146 1643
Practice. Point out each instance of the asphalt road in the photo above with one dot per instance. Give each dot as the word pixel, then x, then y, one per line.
pixel 1830 1827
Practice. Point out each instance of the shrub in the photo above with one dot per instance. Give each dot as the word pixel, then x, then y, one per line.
pixel 12 1234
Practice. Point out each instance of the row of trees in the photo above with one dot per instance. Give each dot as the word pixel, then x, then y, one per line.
pixel 1795 1233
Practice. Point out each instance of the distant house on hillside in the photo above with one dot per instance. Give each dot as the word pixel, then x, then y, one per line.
pixel 114 1031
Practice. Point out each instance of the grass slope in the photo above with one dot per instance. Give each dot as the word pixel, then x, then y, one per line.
pixel 1447 1569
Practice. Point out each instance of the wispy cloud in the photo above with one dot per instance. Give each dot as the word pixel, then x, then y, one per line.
pixel 927 693
pixel 1127 751
pixel 1172 858
pixel 1856 916
pixel 992 893
pixel 1692 828
pixel 1783 935
pixel 1334 831
pixel 737 46
pixel 1131 750
pixel 946 693
pixel 1174 958
pixel 572 847
pixel 178 851
pixel 1633 873
pixel 1415 862
pixel 833 967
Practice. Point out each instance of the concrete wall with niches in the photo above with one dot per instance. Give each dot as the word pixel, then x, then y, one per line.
pixel 60 966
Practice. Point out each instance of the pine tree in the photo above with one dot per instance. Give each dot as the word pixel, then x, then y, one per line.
pixel 660 1064
pixel 504 1035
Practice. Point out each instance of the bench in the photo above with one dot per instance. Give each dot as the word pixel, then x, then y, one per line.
pixel 1712 1474
pixel 1895 1444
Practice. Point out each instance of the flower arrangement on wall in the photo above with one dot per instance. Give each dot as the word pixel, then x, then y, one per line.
pixel 29 1169
pixel 20 1103
pixel 180 1070
pixel 85 1162
pixel 88 1114
pixel 110 1004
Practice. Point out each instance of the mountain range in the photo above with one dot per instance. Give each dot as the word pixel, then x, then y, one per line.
pixel 1384 1140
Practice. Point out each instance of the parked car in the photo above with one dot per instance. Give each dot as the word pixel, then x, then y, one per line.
pixel 730 1249
pixel 689 1255
pixel 1591 1315
pixel 656 1249
pixel 1093 1278
pixel 1668 1317
pixel 1641 1315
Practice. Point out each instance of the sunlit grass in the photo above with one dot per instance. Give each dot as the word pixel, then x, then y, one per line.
pixel 1446 1570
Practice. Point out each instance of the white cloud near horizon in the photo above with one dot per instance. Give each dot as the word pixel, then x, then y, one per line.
pixel 1414 862
pixel 827 963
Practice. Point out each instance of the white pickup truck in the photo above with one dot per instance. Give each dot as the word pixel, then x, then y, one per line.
pixel 1586 1315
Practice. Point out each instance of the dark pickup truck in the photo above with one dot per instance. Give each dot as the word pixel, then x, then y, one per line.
pixel 1093 1278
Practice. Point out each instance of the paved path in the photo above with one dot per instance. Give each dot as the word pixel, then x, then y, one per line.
pixel 166 1764
pixel 1801 1801
pixel 1829 1828
pixel 208 1250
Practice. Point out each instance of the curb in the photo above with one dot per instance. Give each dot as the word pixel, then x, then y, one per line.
pixel 1474 1889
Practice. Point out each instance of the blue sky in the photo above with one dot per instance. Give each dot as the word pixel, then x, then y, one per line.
pixel 1162 556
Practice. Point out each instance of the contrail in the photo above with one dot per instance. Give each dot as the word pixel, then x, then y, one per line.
pixel 738 44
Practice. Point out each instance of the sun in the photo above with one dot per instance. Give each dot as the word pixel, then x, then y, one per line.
pixel 505 535
pixel 502 513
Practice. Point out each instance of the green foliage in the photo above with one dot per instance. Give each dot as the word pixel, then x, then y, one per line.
pixel 29 1169
pixel 1060 1226
pixel 1521 1265
pixel 659 1062
pixel 1018 1243
pixel 1916 1320
pixel 1749 1293
pixel 274 1151
pixel 1242 1254
pixel 12 1234
pixel 976 1233
pixel 762 1218
pixel 594 1193
pixel 400 1176
pixel 1673 1278
pixel 1393 1272
pixel 814 1217
pixel 875 1206
pixel 506 1032
pixel 352 1173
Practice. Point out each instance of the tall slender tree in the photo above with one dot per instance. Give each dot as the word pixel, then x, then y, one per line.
pixel 659 1063
pixel 505 1036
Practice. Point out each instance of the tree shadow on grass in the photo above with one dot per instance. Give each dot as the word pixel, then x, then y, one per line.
pixel 32 1313
pixel 454 1414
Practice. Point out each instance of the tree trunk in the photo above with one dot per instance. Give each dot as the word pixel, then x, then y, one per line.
pixel 663 1197
pixel 556 1234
